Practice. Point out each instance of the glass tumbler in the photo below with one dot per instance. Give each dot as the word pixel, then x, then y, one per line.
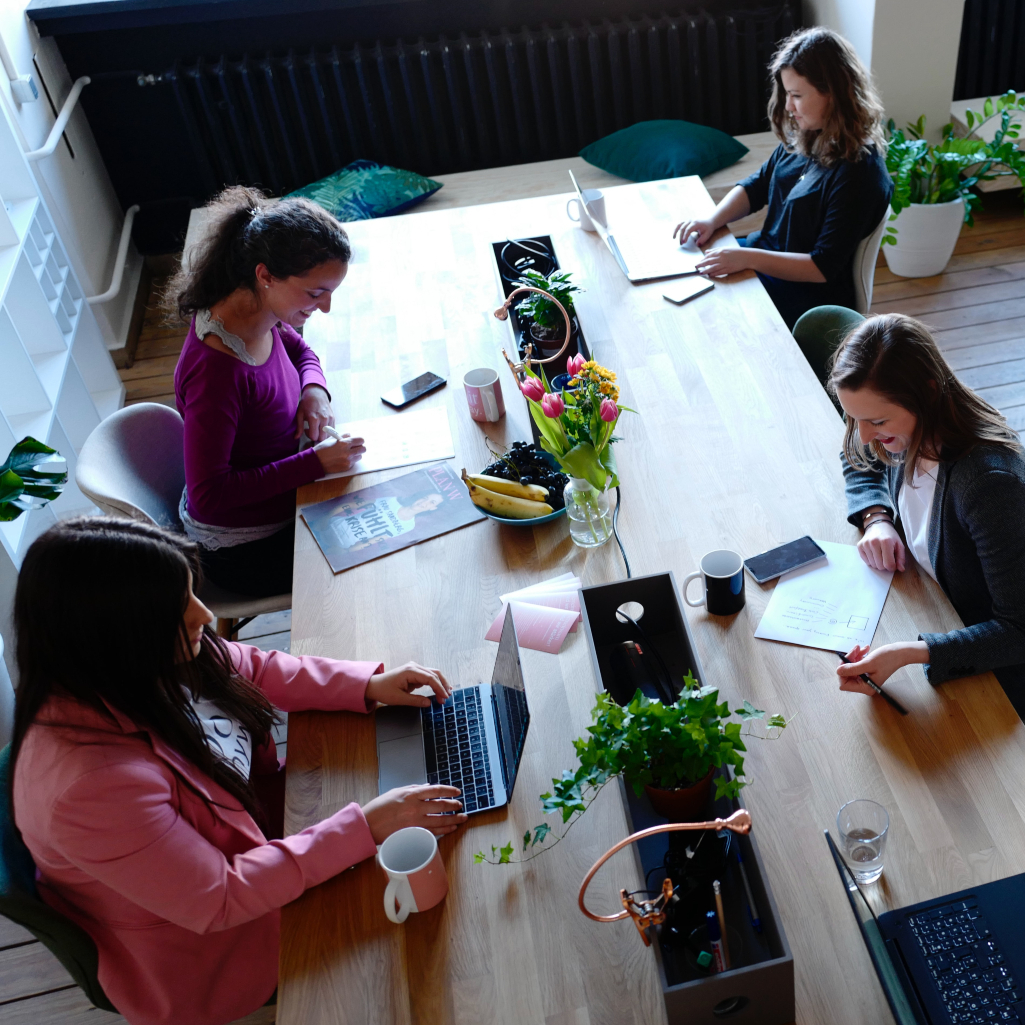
pixel 863 826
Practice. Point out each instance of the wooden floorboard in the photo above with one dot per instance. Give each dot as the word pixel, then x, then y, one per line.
pixel 29 970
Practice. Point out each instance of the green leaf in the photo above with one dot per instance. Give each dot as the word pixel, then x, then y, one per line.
pixel 540 833
pixel 505 854
pixel 526 839
pixel 778 721
pixel 479 857
pixel 582 461
pixel 987 107
pixel 749 712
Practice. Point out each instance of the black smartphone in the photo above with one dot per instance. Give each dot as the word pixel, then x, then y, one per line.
pixel 412 390
pixel 777 561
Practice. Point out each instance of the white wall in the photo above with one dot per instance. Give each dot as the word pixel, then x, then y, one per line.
pixel 911 47
pixel 77 189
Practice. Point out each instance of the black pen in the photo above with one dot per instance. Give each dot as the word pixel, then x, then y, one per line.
pixel 875 686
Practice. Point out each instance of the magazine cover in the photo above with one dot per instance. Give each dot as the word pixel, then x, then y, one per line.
pixel 386 518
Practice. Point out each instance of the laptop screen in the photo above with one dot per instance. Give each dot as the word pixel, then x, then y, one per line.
pixel 511 712
pixel 873 937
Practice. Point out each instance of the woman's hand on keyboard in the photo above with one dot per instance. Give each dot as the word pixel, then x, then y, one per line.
pixel 394 686
pixel 424 805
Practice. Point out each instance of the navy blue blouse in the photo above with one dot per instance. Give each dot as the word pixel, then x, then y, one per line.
pixel 824 211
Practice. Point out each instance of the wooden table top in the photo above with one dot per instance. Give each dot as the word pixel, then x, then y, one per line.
pixel 736 447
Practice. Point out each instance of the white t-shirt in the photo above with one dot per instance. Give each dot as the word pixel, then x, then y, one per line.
pixel 914 506
pixel 227 738
pixel 381 519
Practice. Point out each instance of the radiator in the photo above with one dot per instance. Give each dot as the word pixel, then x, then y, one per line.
pixel 477 100
pixel 991 58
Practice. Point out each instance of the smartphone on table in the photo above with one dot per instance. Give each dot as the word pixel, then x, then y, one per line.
pixel 783 559
pixel 412 390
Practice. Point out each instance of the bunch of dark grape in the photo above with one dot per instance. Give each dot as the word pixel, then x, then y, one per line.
pixel 528 464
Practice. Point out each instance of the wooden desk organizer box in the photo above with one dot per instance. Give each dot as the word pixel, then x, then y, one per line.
pixel 759 988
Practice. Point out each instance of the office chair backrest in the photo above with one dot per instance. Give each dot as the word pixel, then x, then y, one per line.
pixel 133 464
pixel 865 257
pixel 19 901
pixel 6 700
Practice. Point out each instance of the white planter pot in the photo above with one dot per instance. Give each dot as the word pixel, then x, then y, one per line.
pixel 926 236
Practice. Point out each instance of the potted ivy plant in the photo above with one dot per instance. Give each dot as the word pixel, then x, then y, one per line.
pixel 547 326
pixel 933 195
pixel 670 752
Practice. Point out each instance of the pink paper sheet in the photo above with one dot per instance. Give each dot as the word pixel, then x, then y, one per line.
pixel 537 626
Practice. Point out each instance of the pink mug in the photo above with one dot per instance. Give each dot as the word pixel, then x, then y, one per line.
pixel 416 874
pixel 484 395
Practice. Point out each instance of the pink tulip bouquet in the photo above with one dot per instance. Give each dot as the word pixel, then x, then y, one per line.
pixel 576 423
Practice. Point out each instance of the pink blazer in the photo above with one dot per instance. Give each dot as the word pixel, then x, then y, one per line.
pixel 181 899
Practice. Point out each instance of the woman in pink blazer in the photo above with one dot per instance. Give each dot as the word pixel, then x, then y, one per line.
pixel 141 760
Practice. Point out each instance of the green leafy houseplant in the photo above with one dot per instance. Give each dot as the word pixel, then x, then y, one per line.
pixel 23 485
pixel 647 743
pixel 924 173
pixel 541 310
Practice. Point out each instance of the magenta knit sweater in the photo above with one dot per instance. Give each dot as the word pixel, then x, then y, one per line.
pixel 242 461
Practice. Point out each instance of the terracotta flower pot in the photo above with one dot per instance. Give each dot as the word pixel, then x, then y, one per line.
pixel 687 804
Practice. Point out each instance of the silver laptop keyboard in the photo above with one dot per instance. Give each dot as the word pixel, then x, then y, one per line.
pixel 455 748
pixel 966 963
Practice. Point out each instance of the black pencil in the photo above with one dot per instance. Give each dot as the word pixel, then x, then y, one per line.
pixel 875 686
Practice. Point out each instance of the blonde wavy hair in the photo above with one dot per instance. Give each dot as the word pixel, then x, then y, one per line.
pixel 855 118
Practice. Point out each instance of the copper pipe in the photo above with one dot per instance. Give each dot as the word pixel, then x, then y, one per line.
pixel 738 822
pixel 502 313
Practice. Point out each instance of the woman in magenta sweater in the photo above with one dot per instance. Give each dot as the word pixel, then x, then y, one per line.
pixel 143 771
pixel 247 384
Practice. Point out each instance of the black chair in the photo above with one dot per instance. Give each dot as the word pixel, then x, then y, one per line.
pixel 20 902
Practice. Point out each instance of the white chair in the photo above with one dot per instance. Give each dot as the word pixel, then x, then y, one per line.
pixel 132 465
pixel 6 701
pixel 865 257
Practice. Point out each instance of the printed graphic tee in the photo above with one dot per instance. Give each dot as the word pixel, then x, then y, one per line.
pixel 227 738
pixel 379 519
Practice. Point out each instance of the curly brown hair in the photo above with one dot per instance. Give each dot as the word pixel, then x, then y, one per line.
pixel 855 119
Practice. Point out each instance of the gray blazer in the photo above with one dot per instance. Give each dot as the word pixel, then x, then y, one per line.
pixel 977 548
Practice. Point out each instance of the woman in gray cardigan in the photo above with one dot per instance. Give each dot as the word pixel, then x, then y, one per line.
pixel 925 451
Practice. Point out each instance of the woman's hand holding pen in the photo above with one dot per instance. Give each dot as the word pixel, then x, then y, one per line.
pixel 879 663
pixel 338 452
pixel 314 413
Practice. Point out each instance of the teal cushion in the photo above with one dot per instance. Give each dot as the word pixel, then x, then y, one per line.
pixel 365 189
pixel 652 150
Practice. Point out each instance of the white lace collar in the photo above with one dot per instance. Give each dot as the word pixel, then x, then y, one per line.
pixel 208 324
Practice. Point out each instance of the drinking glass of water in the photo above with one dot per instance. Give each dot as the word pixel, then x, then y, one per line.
pixel 863 826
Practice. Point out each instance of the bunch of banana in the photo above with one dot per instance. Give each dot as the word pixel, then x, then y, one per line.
pixel 507 498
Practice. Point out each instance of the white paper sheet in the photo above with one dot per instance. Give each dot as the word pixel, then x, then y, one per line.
pixel 419 436
pixel 832 605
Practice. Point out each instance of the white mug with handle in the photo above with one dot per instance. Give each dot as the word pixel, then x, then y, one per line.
pixel 416 874
pixel 596 204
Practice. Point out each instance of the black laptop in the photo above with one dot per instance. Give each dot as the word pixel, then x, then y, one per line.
pixel 474 741
pixel 956 960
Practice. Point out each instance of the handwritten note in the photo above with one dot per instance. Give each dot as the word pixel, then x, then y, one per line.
pixel 832 605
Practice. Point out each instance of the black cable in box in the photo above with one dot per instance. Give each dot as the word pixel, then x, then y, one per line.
pixel 760 986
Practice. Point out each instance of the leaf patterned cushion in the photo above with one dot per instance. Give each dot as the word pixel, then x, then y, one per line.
pixel 365 189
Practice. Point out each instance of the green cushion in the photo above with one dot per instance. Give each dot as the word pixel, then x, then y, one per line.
pixel 652 150
pixel 365 189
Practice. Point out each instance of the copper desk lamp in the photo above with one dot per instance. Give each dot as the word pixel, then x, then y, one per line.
pixel 653 912
pixel 502 313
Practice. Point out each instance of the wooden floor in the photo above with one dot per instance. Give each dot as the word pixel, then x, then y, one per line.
pixel 975 309
pixel 34 987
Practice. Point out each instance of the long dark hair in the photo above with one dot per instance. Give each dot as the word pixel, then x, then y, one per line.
pixel 245 229
pixel 830 64
pixel 896 356
pixel 98 617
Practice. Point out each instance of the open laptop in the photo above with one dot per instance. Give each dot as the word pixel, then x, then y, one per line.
pixel 647 256
pixel 956 959
pixel 474 741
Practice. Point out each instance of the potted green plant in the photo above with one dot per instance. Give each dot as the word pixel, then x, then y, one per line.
pixel 547 326
pixel 933 194
pixel 670 752
pixel 23 485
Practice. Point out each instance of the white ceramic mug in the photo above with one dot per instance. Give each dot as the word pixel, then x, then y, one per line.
pixel 416 874
pixel 595 201
pixel 484 395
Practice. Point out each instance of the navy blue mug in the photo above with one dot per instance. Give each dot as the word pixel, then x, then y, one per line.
pixel 723 575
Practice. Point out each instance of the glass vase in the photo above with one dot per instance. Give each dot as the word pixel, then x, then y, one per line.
pixel 590 519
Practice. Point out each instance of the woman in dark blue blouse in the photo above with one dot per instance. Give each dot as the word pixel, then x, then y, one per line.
pixel 826 185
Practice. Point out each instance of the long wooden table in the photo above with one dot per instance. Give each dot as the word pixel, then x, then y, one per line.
pixel 736 446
